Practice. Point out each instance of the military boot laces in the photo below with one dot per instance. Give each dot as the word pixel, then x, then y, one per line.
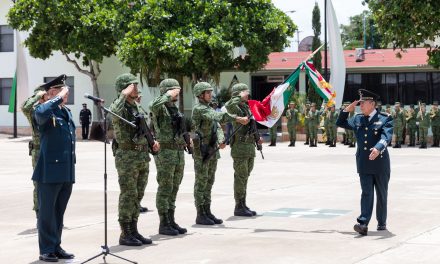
pixel 211 216
pixel 126 238
pixel 240 210
pixel 165 227
pixel 138 236
pixel 202 218
pixel 173 223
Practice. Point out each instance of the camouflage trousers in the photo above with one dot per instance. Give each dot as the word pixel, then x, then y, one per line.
pixel 133 168
pixel 35 154
pixel 435 132
pixel 332 130
pixel 205 177
pixel 170 164
pixel 398 131
pixel 242 170
pixel 306 129
pixel 313 131
pixel 412 134
pixel 423 131
pixel 292 132
pixel 273 133
pixel 350 136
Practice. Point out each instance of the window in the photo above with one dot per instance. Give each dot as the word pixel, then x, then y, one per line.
pixel 69 82
pixel 6 39
pixel 436 86
pixel 5 90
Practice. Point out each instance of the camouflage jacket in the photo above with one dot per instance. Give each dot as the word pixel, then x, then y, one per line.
pixel 333 116
pixel 424 122
pixel 242 143
pixel 292 117
pixel 203 119
pixel 28 109
pixel 163 110
pixel 435 117
pixel 124 133
pixel 314 118
pixel 399 118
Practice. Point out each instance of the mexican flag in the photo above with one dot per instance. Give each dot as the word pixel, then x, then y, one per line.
pixel 20 87
pixel 322 87
pixel 269 110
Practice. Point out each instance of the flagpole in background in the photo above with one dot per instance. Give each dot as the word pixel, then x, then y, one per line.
pixel 325 41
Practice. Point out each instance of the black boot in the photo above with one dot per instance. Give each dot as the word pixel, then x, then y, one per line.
pixel 165 227
pixel 135 233
pixel 173 223
pixel 344 139
pixel 211 216
pixel 307 140
pixel 293 143
pixel 245 205
pixel 423 145
pixel 273 143
pixel 202 218
pixel 240 210
pixel 126 238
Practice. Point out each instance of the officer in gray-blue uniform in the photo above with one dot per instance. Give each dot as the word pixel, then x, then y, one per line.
pixel 373 131
pixel 55 169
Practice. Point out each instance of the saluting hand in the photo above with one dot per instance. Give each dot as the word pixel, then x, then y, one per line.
pixel 374 153
pixel 352 106
pixel 128 90
pixel 173 93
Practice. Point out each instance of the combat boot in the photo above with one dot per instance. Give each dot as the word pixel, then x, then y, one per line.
pixel 135 233
pixel 245 205
pixel 307 140
pixel 211 216
pixel 423 145
pixel 165 227
pixel 293 143
pixel 272 143
pixel 240 210
pixel 202 218
pixel 173 223
pixel 126 238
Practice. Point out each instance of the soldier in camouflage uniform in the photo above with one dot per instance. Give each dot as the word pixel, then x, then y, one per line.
pixel 131 159
pixel 306 122
pixel 399 123
pixel 313 125
pixel 424 123
pixel 292 121
pixel 435 124
pixel 242 148
pixel 411 125
pixel 325 122
pixel 332 128
pixel 209 136
pixel 28 109
pixel 169 125
pixel 351 138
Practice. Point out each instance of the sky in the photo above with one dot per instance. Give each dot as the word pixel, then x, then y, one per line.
pixel 302 16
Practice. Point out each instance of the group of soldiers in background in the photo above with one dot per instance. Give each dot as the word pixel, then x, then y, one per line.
pixel 414 122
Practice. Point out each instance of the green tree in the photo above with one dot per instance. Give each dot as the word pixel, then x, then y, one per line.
pixel 352 35
pixel 195 38
pixel 84 31
pixel 409 23
pixel 312 95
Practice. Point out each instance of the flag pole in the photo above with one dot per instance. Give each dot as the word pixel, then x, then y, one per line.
pixel 325 41
pixel 15 114
pixel 313 53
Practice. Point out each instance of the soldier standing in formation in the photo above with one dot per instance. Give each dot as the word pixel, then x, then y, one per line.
pixel 411 125
pixel 399 123
pixel 209 138
pixel 131 159
pixel 435 124
pixel 332 128
pixel 325 119
pixel 374 131
pixel 170 129
pixel 28 109
pixel 85 117
pixel 292 116
pixel 242 148
pixel 313 125
pixel 306 122
pixel 424 123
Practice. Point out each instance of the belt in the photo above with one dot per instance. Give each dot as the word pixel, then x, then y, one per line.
pixel 130 146
pixel 169 145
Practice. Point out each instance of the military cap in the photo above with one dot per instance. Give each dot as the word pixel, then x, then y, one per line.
pixel 39 88
pixel 58 82
pixel 388 106
pixel 365 95
pixel 397 103
pixel 313 104
pixel 168 84
pixel 200 87
pixel 411 106
pixel 423 104
pixel 435 103
pixel 124 80
pixel 346 103
pixel 239 87
pixel 292 102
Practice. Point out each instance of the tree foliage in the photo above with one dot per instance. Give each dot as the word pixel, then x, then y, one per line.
pixel 312 95
pixel 353 34
pixel 409 23
pixel 195 38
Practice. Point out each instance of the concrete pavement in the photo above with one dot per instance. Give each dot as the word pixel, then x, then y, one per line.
pixel 307 200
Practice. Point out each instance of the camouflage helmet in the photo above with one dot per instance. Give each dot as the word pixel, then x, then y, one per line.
pixel 124 80
pixel 239 87
pixel 200 87
pixel 168 84
pixel 39 88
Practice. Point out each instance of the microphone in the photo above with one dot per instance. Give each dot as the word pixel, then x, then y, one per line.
pixel 94 98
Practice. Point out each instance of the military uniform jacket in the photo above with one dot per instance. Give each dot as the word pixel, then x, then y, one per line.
pixel 292 117
pixel 84 116
pixel 314 118
pixel 399 118
pixel 411 120
pixel 243 143
pixel 56 163
pixel 332 117
pixel 28 109
pixel 424 122
pixel 203 119
pixel 376 133
pixel 435 117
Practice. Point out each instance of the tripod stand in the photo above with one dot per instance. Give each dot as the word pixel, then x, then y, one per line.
pixel 105 250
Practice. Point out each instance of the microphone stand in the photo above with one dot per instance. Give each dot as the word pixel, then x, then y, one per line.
pixel 105 249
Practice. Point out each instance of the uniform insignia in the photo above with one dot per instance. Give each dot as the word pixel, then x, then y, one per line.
pixel 378 123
